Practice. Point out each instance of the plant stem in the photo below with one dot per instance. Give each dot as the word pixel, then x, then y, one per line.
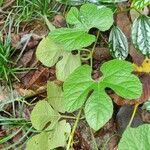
pixel 49 25
pixel 98 33
pixel 94 141
pixel 68 117
pixel 73 130
pixel 133 114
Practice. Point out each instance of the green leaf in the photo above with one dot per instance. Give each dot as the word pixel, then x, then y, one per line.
pixel 113 1
pixel 42 114
pixel 50 140
pixel 48 52
pixel 76 88
pixel 90 16
pixel 135 138
pixel 38 142
pixel 67 65
pixel 73 16
pixel 146 105
pixel 55 96
pixel 118 44
pixel 70 39
pixel 117 76
pixel 141 34
pixel 98 109
pixel 140 4
pixel 59 136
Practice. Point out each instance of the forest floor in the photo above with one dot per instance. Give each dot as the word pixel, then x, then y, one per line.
pixel 22 26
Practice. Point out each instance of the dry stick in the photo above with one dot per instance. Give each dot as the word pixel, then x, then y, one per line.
pixel 73 130
pixel 133 114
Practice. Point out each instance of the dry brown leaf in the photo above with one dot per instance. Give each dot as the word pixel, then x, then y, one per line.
pixel 39 78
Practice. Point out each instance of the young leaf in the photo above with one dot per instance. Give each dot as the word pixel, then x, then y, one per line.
pixel 67 65
pixel 116 75
pixel 90 16
pixel 42 114
pixel 38 142
pixel 135 138
pixel 59 136
pixel 141 34
pixel 98 109
pixel 70 39
pixel 48 52
pixel 118 44
pixel 55 96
